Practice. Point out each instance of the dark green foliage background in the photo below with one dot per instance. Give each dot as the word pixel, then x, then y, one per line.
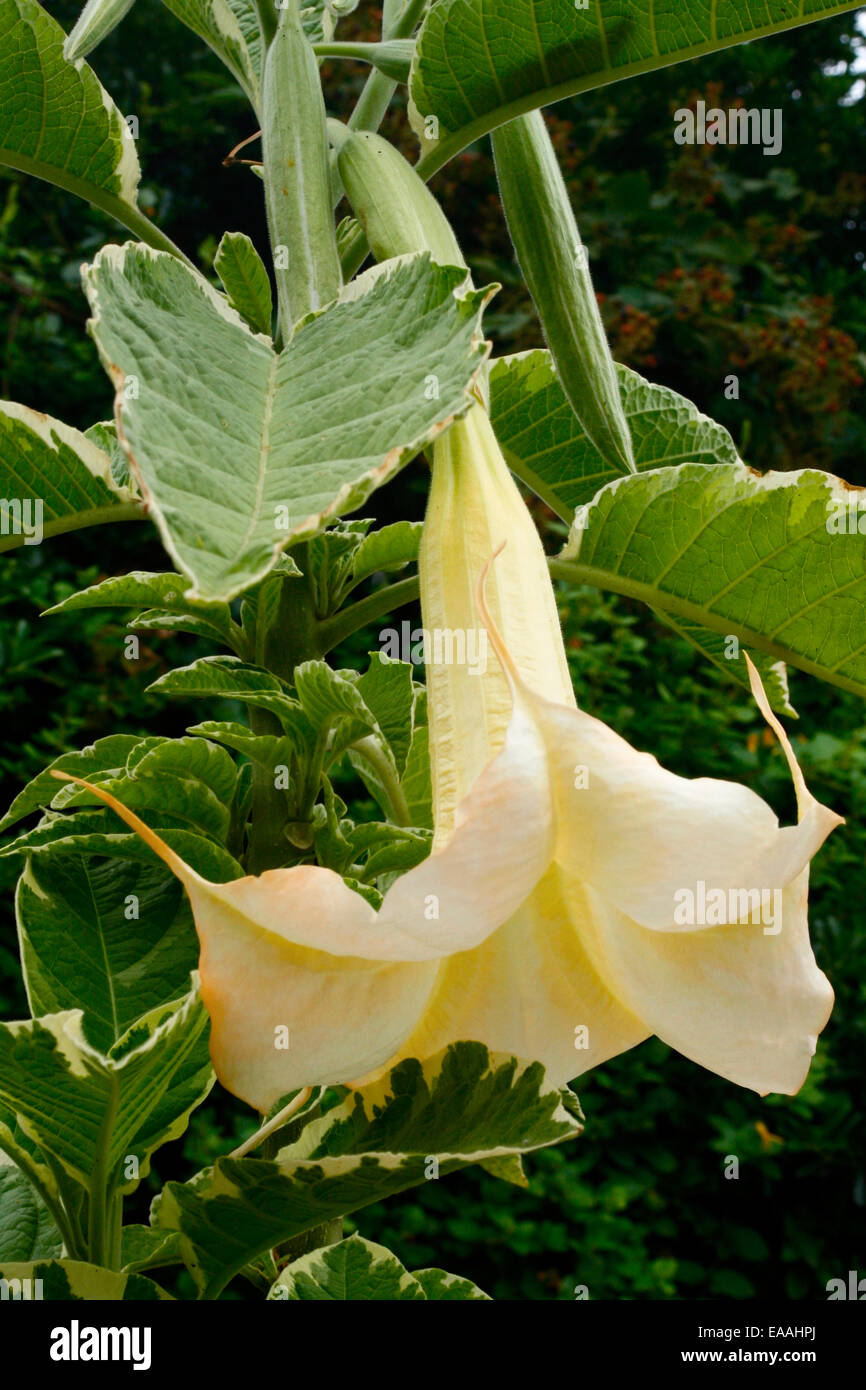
pixel 709 262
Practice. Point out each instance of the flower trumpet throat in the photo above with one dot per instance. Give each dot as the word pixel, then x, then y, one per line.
pixel 548 921
pixel 474 509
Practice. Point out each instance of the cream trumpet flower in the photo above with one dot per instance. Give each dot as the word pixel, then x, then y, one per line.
pixel 545 921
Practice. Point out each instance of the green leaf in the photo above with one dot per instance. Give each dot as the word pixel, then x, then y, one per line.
pixel 27 1229
pixel 254 449
pixel 142 1248
pixel 231 29
pixel 333 849
pixel 90 1112
pixel 73 1281
pixel 390 548
pixel 333 700
pixel 352 1270
pixel 188 781
pixel 61 1194
pixel 388 691
pixel 747 556
pixel 441 1287
pixel 104 436
pixel 395 850
pixel 478 65
pixel 53 479
pixel 163 593
pixel 81 950
pixel 507 1169
pixel 416 782
pixel 319 18
pixel 58 123
pixel 96 22
pixel 462 1106
pixel 329 563
pixel 341 558
pixel 545 445
pixel 268 750
pixel 415 777
pixel 96 833
pixel 714 646
pixel 106 755
pixel 226 678
pixel 245 280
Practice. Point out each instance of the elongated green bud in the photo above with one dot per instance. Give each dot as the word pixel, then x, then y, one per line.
pixel 297 175
pixel 95 23
pixel 394 206
pixel 554 264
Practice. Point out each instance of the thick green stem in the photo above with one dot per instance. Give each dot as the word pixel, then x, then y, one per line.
pixel 267 14
pixel 398 807
pixel 286 634
pixel 101 1213
pixel 267 846
pixel 327 1234
pixel 399 20
pixel 278 1122
pixel 78 521
pixel 122 211
pixel 373 102
pixel 366 610
pixel 378 90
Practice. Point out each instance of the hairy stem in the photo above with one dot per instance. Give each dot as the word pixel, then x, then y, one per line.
pixel 366 610
pixel 375 99
pixel 271 1126
pixel 397 808
pixel 267 14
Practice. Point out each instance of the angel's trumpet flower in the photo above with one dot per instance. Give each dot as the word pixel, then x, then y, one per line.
pixel 578 899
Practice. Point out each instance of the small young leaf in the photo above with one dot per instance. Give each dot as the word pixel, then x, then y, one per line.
pixel 245 280
pixel 161 604
pixel 95 22
pixel 106 755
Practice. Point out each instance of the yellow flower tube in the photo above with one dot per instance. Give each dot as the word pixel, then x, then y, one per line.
pixel 605 951
pixel 579 897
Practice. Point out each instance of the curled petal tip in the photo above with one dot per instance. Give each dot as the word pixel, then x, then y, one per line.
pixel 496 639
pixel 177 865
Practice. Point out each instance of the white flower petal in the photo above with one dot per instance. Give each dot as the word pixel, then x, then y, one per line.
pixel 530 990
pixel 744 1004
pixel 642 835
